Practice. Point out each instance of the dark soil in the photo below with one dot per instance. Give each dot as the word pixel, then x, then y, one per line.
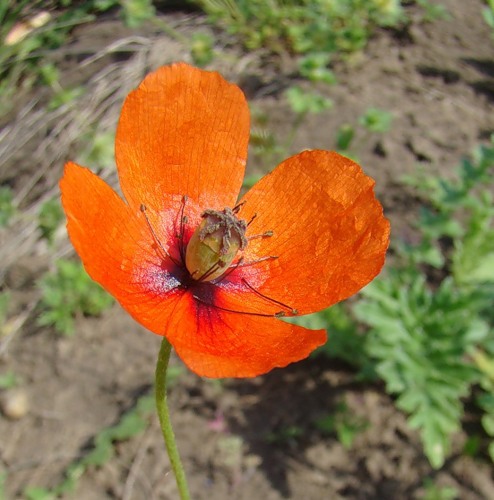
pixel 240 439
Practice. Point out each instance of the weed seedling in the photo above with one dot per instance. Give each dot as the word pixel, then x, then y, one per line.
pixel 69 291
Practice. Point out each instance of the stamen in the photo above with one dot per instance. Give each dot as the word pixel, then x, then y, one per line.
pixel 183 221
pixel 266 234
pixel 262 259
pixel 143 209
pixel 229 271
pixel 279 314
pixel 251 220
pixel 269 299
pixel 237 207
pixel 209 272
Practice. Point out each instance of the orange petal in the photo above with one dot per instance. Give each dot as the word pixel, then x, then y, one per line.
pixel 184 131
pixel 214 343
pixel 330 235
pixel 117 248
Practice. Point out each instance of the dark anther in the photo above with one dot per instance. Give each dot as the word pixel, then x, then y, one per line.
pixel 251 220
pixel 236 208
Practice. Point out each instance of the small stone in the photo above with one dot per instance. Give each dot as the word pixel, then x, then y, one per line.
pixel 14 404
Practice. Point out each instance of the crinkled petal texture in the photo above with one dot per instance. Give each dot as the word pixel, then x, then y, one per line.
pixel 215 343
pixel 116 247
pixel 329 233
pixel 183 131
pixel 119 252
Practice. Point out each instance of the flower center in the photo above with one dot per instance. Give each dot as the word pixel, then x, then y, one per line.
pixel 215 243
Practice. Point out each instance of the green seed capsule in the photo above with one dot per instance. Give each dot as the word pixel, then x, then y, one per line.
pixel 214 244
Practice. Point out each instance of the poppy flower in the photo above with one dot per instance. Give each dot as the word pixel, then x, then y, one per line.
pixel 187 260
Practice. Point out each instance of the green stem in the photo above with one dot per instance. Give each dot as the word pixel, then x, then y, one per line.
pixel 164 417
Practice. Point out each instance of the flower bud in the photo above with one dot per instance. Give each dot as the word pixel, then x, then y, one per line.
pixel 214 244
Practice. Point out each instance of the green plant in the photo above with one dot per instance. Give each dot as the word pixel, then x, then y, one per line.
pixel 64 96
pixel 432 11
pixel 28 30
pixel 7 208
pixel 314 67
pixel 201 48
pixel 373 121
pixel 8 380
pixel 421 340
pixel 344 137
pixel 26 33
pixel 435 492
pixel 467 198
pixel 69 291
pixel 303 27
pixel 344 423
pixel 345 341
pixel 135 12
pixel 488 14
pixel 49 219
pixel 303 102
pixel 285 435
pixel 376 120
pixel 484 361
pixel 99 150
pixel 433 341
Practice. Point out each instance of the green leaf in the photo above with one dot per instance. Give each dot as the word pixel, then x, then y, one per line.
pixel 344 137
pixel 68 291
pixel 65 96
pixel 136 12
pixel 314 67
pixel 303 102
pixel 376 120
pixel 420 342
pixel 50 217
pixel 33 493
pixel 490 450
pixel 8 380
pixel 202 48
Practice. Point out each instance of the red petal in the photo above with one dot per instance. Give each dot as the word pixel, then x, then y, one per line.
pixel 184 131
pixel 330 235
pixel 214 343
pixel 117 248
